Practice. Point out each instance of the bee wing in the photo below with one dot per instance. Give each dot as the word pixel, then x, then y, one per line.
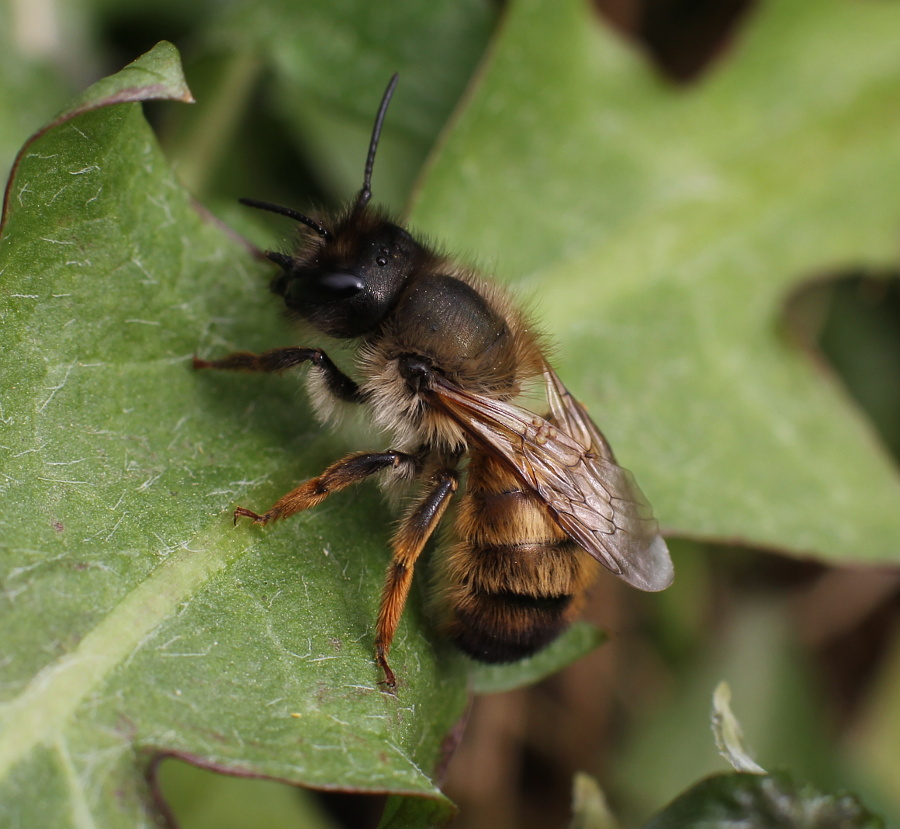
pixel 568 464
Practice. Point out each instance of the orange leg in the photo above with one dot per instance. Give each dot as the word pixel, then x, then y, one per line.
pixel 350 470
pixel 408 543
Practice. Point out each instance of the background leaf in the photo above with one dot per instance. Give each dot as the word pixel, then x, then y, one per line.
pixel 763 802
pixel 311 72
pixel 664 232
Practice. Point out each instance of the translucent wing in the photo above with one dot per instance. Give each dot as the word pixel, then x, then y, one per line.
pixel 568 464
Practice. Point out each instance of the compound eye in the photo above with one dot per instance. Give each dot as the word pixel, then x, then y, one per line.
pixel 330 286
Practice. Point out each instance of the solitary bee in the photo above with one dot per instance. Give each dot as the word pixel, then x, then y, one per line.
pixel 441 355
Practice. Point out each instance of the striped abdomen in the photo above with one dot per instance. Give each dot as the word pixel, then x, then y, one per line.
pixel 513 581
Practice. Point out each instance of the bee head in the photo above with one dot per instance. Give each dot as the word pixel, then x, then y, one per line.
pixel 346 277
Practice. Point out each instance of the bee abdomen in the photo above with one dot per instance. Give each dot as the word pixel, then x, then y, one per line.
pixel 506 626
pixel 514 580
pixel 505 602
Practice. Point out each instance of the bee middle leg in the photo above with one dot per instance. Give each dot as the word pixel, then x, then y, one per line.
pixel 280 359
pixel 348 471
pixel 414 532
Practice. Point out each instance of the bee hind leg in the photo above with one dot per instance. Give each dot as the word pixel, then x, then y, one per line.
pixel 414 532
pixel 348 471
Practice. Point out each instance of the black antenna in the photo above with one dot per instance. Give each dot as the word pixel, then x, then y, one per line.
pixel 290 213
pixel 366 193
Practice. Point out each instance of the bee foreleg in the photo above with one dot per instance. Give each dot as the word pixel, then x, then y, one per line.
pixel 410 539
pixel 347 471
pixel 280 359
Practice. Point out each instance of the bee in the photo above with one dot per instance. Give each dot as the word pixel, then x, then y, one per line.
pixel 441 357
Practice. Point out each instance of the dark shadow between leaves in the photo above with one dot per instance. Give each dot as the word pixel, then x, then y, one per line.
pixel 849 325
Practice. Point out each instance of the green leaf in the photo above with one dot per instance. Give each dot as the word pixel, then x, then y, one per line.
pixel 201 799
pixel 661 231
pixel 136 619
pixel 155 76
pixel 762 802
